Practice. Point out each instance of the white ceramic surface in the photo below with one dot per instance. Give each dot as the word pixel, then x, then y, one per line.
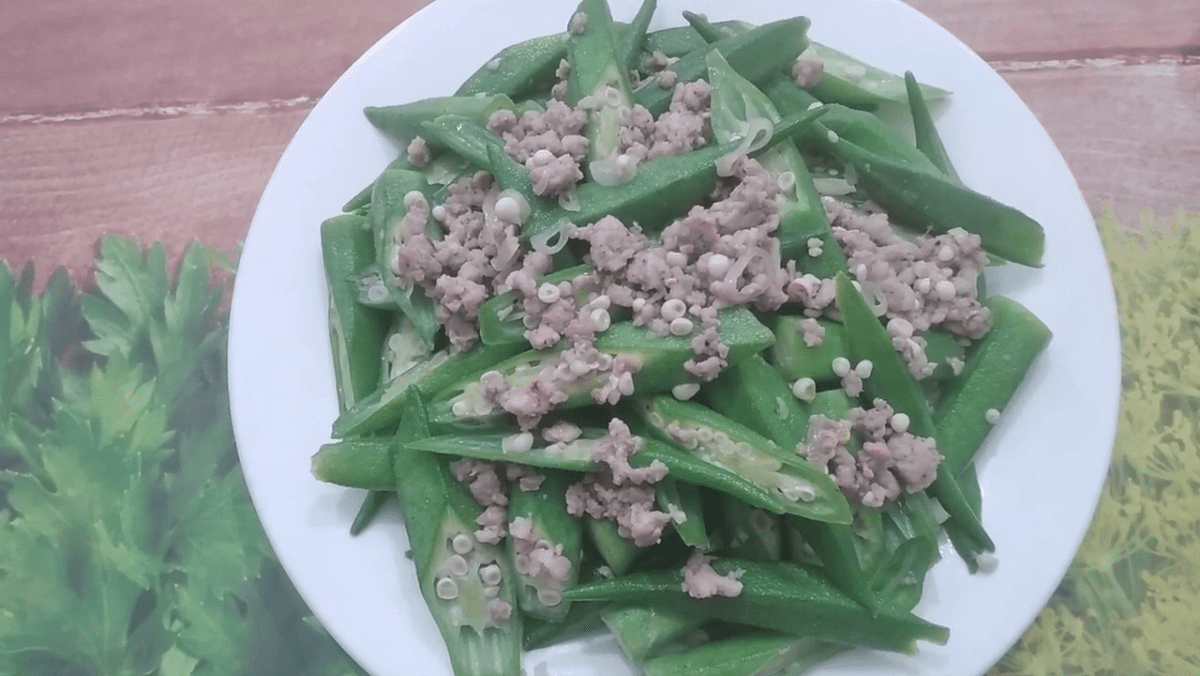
pixel 1041 470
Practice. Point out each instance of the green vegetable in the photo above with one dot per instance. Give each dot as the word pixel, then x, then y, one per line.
pixel 356 332
pixel 753 393
pixel 406 121
pixel 867 339
pixel 126 531
pixel 796 486
pixel 519 70
pixel 795 359
pixel 372 503
pixel 546 509
pixel 599 74
pixel 925 199
pixel 753 655
pixel 500 319
pixel 751 533
pixel 929 142
pixel 682 501
pixel 736 104
pixel 753 54
pixel 776 596
pixel 617 551
pixel 357 463
pixel 643 631
pixel 993 372
pixel 440 517
pixel 387 213
pixel 850 82
pixel 630 42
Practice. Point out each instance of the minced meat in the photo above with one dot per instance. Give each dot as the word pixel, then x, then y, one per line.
pixel 890 461
pixel 619 492
pixel 550 144
pixel 700 581
pixel 483 481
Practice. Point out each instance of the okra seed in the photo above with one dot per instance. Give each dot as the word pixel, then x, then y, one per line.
pixel 841 366
pixel 517 443
pixel 491 592
pixel 457 565
pixel 508 210
pixel 601 302
pixel 944 289
pixel 601 320
pixel 685 391
pixel 377 294
pixel 543 156
pixel 718 265
pixel 673 309
pixel 900 327
pixel 439 212
pixel 548 293
pixel 491 575
pixel 412 198
pixel 612 96
pixel 992 416
pixel 676 259
pixel 833 137
pixel 814 105
pixel 681 326
pixel 446 588
pixel 864 368
pixel 814 242
pixel 986 561
pixel 786 181
pixel 638 304
pixel 462 543
pixel 461 409
pixel 923 285
pixel 549 597
pixel 900 422
pixel 805 389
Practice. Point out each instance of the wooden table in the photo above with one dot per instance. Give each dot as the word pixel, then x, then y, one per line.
pixel 163 119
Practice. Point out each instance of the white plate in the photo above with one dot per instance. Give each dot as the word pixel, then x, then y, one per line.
pixel 1041 471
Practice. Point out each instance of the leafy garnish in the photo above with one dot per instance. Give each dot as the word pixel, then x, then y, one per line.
pixel 128 544
pixel 1127 605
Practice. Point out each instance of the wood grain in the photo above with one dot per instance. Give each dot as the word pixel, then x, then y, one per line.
pixel 62 185
pixel 68 55
pixel 1129 133
pixel 1050 29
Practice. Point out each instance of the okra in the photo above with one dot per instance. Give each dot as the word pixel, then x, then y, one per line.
pixel 781 597
pixel 796 485
pixel 598 78
pixel 925 199
pixel 519 70
pixel 584 617
pixel 469 585
pixel 736 102
pixel 851 82
pixel 754 54
pixel 546 512
pixel 662 362
pixel 644 631
pixel 890 380
pixel 682 40
pixel 406 121
pixel 682 501
pixel 469 138
pixel 383 407
pixel 387 213
pixel 517 447
pixel 402 350
pixel 356 463
pixel 928 140
pixel 501 320
pixel 617 551
pixel 856 126
pixel 751 533
pixel 356 333
pixel 753 393
pixel 901 579
pixel 793 357
pixel 663 187
pixel 630 41
pixel 995 369
pixel 372 503
pixel 766 654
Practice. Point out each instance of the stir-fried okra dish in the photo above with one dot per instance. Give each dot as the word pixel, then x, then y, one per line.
pixel 667 332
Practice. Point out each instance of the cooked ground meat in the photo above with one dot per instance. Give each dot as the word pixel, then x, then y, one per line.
pixel 891 459
pixel 700 581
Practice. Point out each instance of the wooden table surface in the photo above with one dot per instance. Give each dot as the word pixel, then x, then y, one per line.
pixel 163 119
